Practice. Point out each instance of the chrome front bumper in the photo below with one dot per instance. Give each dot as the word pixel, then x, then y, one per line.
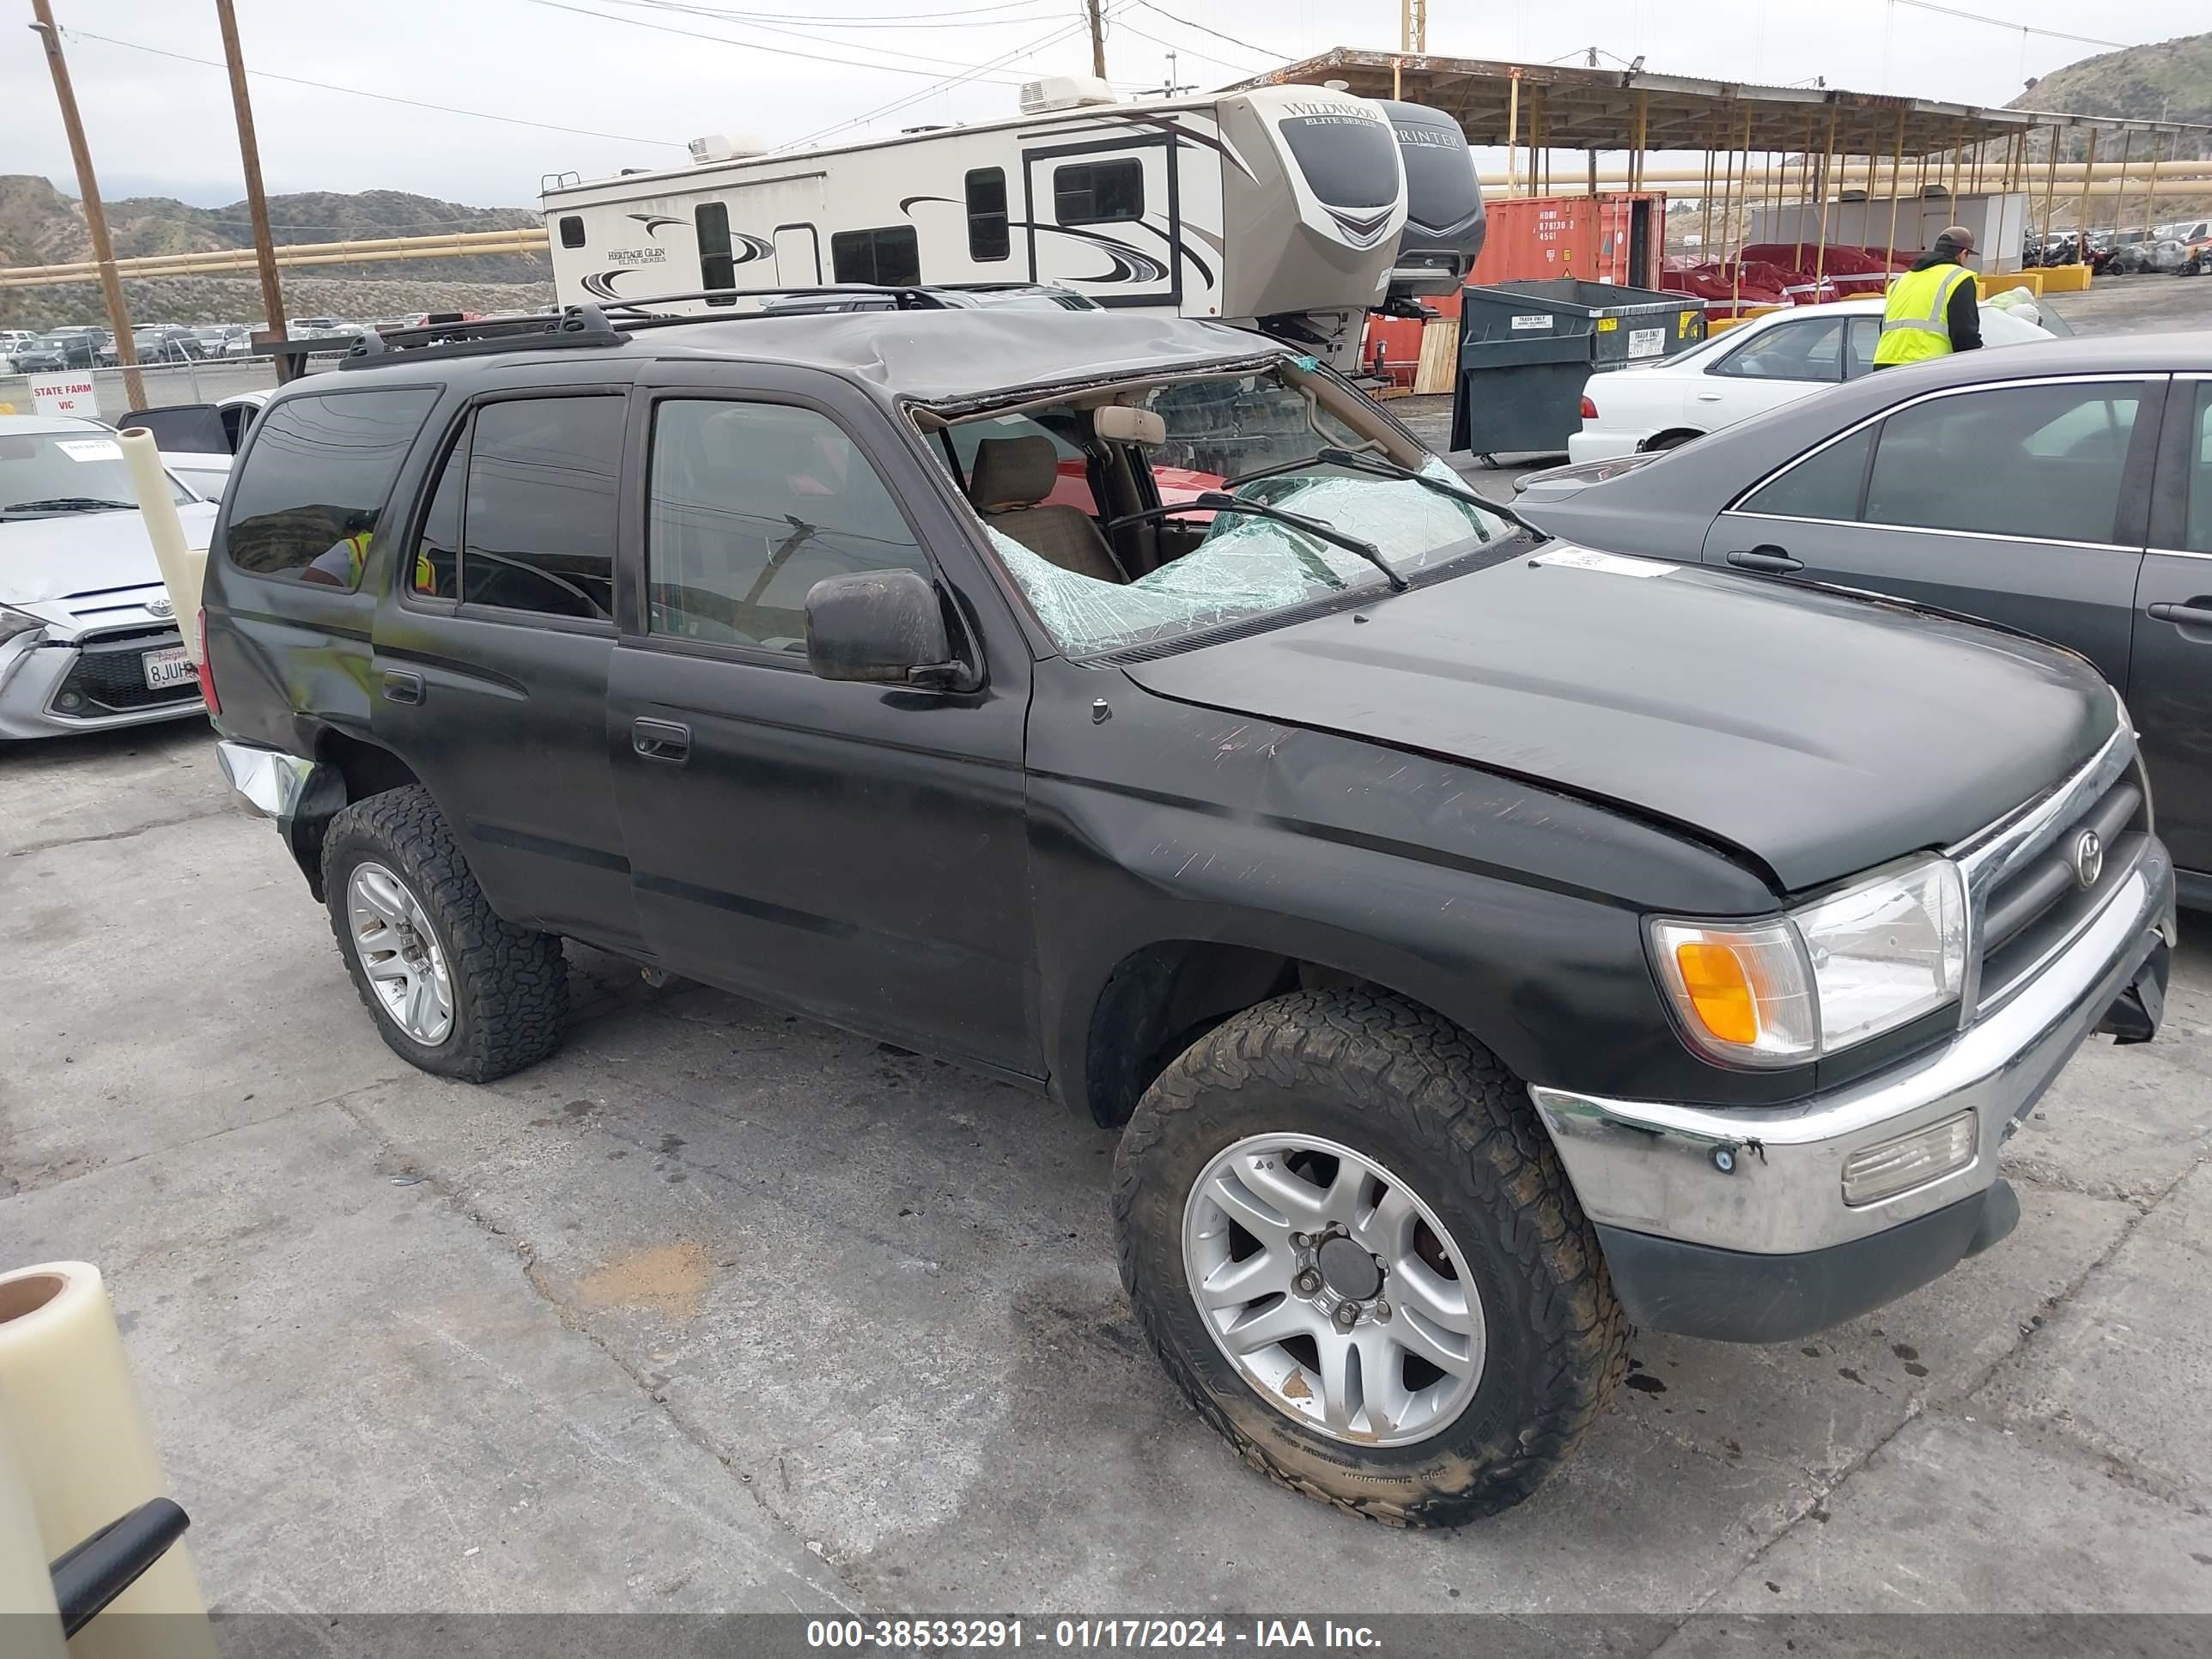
pixel 1769 1181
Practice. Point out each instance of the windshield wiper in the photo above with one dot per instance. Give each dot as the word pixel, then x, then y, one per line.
pixel 69 504
pixel 1378 467
pixel 1213 501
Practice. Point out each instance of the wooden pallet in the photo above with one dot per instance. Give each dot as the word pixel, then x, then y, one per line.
pixel 1440 365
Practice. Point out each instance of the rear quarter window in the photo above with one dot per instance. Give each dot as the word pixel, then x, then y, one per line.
pixel 309 494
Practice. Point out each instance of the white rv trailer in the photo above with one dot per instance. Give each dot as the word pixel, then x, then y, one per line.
pixel 1277 208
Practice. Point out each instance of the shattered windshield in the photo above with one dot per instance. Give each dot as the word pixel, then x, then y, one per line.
pixel 1049 489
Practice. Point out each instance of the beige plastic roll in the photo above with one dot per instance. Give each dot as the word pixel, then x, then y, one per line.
pixel 30 1624
pixel 183 566
pixel 72 1414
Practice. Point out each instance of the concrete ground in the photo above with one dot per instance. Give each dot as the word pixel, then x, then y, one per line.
pixel 719 1308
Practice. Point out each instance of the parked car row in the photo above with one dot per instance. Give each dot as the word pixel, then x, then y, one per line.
pixel 1755 366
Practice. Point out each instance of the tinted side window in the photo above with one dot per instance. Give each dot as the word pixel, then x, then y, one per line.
pixel 751 505
pixel 1811 351
pixel 717 266
pixel 572 230
pixel 306 499
pixel 539 520
pixel 1098 192
pixel 891 256
pixel 2044 462
pixel 987 214
pixel 1823 486
pixel 436 572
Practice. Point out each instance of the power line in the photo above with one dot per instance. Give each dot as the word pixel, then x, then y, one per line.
pixel 836 20
pixel 1029 8
pixel 381 97
pixel 1249 46
pixel 1128 27
pixel 751 45
pixel 2007 23
pixel 944 85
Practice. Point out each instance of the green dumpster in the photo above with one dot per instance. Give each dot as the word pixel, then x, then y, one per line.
pixel 1526 350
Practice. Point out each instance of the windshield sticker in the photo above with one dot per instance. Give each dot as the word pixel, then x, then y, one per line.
pixel 90 449
pixel 1588 558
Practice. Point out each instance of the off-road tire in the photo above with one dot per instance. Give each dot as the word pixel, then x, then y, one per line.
pixel 510 984
pixel 1409 1088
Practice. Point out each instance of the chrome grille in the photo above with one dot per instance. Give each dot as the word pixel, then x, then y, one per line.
pixel 2023 892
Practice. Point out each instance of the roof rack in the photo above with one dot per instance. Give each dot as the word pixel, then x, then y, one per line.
pixel 575 325
pixel 906 296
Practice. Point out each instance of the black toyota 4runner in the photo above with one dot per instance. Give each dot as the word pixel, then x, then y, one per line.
pixel 1485 942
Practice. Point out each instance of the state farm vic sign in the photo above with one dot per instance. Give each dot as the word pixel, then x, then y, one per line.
pixel 64 394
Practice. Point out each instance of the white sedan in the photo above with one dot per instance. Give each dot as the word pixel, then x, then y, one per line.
pixel 1759 365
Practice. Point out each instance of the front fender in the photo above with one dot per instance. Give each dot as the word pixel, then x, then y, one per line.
pixel 1506 909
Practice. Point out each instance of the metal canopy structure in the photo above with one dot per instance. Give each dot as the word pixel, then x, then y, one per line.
pixel 1575 108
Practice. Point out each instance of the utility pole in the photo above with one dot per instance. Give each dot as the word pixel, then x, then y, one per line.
pixel 1414 26
pixel 249 152
pixel 1097 38
pixel 96 218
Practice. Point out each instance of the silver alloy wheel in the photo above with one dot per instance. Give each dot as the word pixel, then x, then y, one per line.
pixel 399 951
pixel 1333 1289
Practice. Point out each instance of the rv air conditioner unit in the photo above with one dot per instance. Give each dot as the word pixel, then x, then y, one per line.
pixel 1065 91
pixel 720 147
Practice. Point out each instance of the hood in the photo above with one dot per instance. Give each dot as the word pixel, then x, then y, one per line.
pixel 80 570
pixel 1820 733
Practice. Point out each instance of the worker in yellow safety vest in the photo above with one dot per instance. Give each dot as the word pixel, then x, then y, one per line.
pixel 340 564
pixel 1935 308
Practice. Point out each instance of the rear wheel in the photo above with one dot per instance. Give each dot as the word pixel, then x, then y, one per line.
pixel 455 989
pixel 1353 1248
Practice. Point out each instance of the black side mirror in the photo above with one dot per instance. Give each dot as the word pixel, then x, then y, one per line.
pixel 883 627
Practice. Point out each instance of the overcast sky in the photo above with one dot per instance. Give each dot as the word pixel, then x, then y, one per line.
pixel 158 125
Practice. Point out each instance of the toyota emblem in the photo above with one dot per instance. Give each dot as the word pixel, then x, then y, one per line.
pixel 2088 857
pixel 161 605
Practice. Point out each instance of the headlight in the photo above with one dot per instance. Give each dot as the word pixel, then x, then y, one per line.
pixel 1858 962
pixel 12 623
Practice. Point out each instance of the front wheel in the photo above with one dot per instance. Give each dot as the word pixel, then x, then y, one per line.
pixel 1353 1248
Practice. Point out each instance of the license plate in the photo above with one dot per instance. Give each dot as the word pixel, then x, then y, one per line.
pixel 167 669
pixel 1646 342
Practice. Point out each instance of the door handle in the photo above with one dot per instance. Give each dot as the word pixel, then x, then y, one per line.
pixel 401 687
pixel 1709 396
pixel 1772 559
pixel 2183 615
pixel 663 740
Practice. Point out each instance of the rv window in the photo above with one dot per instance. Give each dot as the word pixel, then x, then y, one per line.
pixel 572 230
pixel 538 525
pixel 1098 192
pixel 986 215
pixel 891 256
pixel 717 268
pixel 751 505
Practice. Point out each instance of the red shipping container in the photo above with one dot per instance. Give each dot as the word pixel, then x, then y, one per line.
pixel 1616 238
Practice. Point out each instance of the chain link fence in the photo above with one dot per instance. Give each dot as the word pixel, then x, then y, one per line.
pixel 202 381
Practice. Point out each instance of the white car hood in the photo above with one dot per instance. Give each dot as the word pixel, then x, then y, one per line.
pixel 83 571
